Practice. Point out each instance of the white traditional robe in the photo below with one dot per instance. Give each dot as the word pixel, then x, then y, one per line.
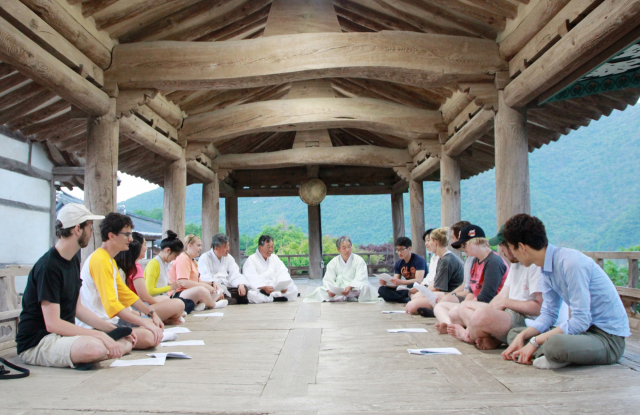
pixel 352 273
pixel 224 271
pixel 262 273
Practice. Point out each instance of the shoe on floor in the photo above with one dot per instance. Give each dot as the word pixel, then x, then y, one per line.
pixel 200 307
pixel 352 299
pixel 221 304
pixel 543 363
pixel 426 312
pixel 280 299
pixel 169 337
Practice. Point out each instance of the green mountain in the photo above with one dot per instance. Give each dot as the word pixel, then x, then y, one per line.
pixel 584 187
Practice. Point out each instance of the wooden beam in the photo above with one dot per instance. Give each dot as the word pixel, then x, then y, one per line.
pixel 450 200
pixel 600 29
pixel 397 218
pixel 473 130
pixel 426 169
pixel 310 114
pixel 24 169
pixel 175 195
pixel 419 59
pixel 140 132
pixel 416 201
pixel 169 111
pixel 68 171
pixel 131 99
pixel 210 212
pixel 201 172
pixel 370 156
pixel 25 106
pixel 34 62
pixel 331 191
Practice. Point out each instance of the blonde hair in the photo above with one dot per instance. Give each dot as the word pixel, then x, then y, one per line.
pixel 190 239
pixel 440 235
pixel 479 241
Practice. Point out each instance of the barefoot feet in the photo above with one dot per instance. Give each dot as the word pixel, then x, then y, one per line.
pixel 459 332
pixel 442 328
pixel 487 343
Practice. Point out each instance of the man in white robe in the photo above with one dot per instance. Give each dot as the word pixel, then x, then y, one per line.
pixel 219 266
pixel 264 272
pixel 347 271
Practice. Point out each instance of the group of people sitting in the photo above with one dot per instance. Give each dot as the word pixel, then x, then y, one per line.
pixel 74 317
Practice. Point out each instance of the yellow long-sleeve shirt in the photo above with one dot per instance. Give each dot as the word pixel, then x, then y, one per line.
pixel 151 275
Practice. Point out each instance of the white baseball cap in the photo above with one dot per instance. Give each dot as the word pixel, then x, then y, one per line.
pixel 73 214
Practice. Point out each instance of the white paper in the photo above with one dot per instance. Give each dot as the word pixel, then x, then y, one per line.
pixel 407 331
pixel 429 295
pixel 174 355
pixel 208 315
pixel 437 350
pixel 386 278
pixel 336 290
pixel 183 343
pixel 394 312
pixel 177 330
pixel 158 361
pixel 282 285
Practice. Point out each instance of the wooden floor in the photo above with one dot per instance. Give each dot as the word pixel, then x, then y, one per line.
pixel 299 358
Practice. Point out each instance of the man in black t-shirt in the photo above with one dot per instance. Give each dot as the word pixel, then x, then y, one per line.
pixel 47 334
pixel 408 269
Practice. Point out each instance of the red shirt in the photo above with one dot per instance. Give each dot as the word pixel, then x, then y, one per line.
pixel 488 277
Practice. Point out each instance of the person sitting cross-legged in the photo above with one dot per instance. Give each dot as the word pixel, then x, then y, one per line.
pixel 449 273
pixel 169 311
pixel 264 271
pixel 596 331
pixel 105 294
pixel 461 292
pixel 488 274
pixel 47 333
pixel 409 269
pixel 348 271
pixel 519 299
pixel 218 265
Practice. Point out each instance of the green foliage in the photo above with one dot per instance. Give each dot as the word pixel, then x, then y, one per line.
pixel 155 213
pixel 192 228
pixel 619 273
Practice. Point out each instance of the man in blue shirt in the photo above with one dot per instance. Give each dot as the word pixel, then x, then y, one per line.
pixel 595 333
pixel 408 269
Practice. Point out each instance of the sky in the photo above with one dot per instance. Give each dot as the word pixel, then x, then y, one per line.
pixel 130 186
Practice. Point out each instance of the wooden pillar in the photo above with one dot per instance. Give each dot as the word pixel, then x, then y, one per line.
pixel 175 196
pixel 210 212
pixel 512 162
pixel 416 197
pixel 315 242
pixel 450 206
pixel 101 169
pixel 397 218
pixel 233 231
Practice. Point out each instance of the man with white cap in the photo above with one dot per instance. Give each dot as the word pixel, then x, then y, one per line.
pixel 47 334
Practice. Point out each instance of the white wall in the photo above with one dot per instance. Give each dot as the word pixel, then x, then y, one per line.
pixel 25 232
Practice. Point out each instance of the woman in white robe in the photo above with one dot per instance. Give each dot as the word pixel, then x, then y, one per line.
pixel 264 271
pixel 351 275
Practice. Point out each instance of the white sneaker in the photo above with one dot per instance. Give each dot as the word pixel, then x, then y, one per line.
pixel 182 320
pixel 169 337
pixel 543 363
pixel 184 314
pixel 352 299
pixel 200 307
pixel 221 304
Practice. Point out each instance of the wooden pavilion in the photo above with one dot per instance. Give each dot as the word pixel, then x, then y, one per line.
pixel 253 97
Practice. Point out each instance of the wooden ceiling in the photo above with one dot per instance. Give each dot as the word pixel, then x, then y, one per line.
pixel 40 114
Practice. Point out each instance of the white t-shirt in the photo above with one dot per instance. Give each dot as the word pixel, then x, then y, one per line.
pixel 468 263
pixel 523 282
pixel 431 275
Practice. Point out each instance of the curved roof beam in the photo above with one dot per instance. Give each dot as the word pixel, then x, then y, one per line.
pixel 310 114
pixel 419 59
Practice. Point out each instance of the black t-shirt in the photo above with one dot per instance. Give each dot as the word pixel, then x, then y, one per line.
pixel 449 273
pixel 408 269
pixel 52 279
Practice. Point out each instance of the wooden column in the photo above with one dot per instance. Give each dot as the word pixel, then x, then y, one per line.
pixel 175 196
pixel 397 218
pixel 416 197
pixel 233 231
pixel 315 242
pixel 512 162
pixel 101 169
pixel 450 205
pixel 210 212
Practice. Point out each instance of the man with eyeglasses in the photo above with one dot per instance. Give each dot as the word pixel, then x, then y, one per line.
pixel 105 294
pixel 408 269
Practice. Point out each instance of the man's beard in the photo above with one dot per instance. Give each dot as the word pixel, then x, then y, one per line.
pixel 84 239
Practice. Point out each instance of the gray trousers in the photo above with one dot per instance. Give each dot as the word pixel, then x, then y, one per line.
pixel 593 347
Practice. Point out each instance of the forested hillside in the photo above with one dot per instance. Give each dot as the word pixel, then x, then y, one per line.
pixel 585 188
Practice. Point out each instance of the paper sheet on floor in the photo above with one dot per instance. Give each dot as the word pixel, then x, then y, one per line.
pixel 183 343
pixel 174 355
pixel 429 295
pixel 394 312
pixel 159 359
pixel 177 330
pixel 208 315
pixel 433 351
pixel 407 331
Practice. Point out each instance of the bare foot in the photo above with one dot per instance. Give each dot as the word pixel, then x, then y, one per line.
pixel 487 343
pixel 459 332
pixel 442 328
pixel 173 322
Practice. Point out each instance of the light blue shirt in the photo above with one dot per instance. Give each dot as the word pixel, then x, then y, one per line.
pixel 570 276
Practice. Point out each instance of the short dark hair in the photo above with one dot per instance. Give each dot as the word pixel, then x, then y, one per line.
pixel 525 229
pixel 264 239
pixel 459 226
pixel 218 240
pixel 172 242
pixel 126 260
pixel 403 241
pixel 114 222
pixel 427 232
pixel 66 232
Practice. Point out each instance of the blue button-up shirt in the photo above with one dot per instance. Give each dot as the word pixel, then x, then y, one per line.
pixel 570 276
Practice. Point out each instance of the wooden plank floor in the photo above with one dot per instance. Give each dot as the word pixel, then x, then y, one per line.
pixel 298 358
